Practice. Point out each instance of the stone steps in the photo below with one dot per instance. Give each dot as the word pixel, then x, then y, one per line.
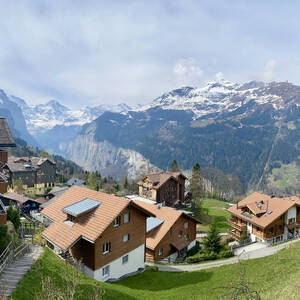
pixel 15 271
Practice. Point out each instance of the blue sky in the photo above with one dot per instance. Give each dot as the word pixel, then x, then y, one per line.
pixel 91 52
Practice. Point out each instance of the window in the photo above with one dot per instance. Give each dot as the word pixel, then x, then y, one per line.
pixel 105 271
pixel 170 232
pixel 180 234
pixel 186 236
pixel 106 248
pixel 124 259
pixel 279 227
pixel 126 238
pixel 126 218
pixel 186 225
pixel 271 230
pixel 292 221
pixel 117 221
pixel 160 251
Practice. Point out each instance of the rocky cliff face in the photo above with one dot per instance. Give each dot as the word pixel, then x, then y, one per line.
pixel 105 157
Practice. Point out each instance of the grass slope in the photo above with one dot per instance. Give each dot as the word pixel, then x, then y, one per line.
pixel 211 212
pixel 274 277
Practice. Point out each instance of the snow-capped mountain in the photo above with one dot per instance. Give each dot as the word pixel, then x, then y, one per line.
pixel 213 98
pixel 41 118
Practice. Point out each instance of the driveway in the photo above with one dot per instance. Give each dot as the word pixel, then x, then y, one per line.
pixel 249 248
pixel 262 252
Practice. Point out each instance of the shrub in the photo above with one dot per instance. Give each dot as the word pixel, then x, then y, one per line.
pixel 194 250
pixel 226 254
pixel 201 257
pixel 151 268
pixel 4 238
pixel 14 217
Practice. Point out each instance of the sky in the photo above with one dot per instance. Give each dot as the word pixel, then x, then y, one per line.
pixel 108 52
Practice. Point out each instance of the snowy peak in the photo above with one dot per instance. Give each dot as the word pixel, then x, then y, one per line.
pixel 224 96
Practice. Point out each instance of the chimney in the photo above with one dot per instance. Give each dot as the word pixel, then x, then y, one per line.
pixel 237 205
pixel 158 205
pixel 267 205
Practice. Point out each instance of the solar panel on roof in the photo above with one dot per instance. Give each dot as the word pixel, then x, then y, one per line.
pixel 81 207
pixel 152 223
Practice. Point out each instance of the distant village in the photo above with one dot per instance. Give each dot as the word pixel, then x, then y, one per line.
pixel 114 236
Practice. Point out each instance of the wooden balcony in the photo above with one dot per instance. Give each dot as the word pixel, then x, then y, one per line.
pixel 235 225
pixel 235 234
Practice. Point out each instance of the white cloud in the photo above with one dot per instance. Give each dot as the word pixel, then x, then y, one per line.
pixel 270 70
pixel 187 72
pixel 219 76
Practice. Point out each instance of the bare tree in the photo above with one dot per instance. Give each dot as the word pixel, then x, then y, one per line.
pixel 240 290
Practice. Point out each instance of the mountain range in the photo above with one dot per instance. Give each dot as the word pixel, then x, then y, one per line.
pixel 249 130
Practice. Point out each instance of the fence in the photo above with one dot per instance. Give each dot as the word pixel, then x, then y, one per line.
pixel 10 254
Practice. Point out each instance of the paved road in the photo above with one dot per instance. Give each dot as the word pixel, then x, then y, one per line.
pixel 15 271
pixel 245 256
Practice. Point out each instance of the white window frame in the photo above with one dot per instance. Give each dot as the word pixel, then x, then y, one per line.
pixel 105 271
pixel 160 251
pixel 186 225
pixel 180 233
pixel 117 221
pixel 126 218
pixel 125 238
pixel 125 259
pixel 106 246
pixel 186 236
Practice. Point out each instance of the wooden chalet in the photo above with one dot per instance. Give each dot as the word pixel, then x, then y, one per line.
pixel 164 187
pixel 266 219
pixel 170 234
pixel 107 233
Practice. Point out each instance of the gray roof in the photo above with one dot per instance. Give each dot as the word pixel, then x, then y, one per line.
pixel 81 207
pixel 20 164
pixel 57 191
pixel 152 223
pixel 6 138
pixel 75 181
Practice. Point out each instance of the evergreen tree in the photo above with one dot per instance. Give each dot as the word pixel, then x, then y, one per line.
pixel 4 238
pixel 196 182
pixel 174 166
pixel 212 242
pixel 125 185
pixel 92 181
pixel 14 217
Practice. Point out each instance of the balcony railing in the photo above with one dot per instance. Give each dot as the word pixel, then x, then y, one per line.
pixel 234 234
pixel 237 226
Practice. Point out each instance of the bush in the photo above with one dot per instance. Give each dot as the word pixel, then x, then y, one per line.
pixel 4 238
pixel 201 257
pixel 194 250
pixel 14 217
pixel 225 254
pixel 151 268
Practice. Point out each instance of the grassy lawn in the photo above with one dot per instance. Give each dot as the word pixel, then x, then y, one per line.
pixel 211 212
pixel 274 277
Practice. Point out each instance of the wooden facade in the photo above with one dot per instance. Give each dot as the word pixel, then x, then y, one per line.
pixel 168 187
pixel 92 254
pixel 177 234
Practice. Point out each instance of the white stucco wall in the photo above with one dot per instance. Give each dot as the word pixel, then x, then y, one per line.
pixel 136 260
pixel 191 244
pixel 291 213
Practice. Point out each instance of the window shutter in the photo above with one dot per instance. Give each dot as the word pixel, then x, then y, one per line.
pixel 109 246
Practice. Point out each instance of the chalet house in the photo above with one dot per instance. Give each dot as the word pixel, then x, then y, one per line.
pixel 6 140
pixel 266 218
pixel 107 233
pixel 169 234
pixel 21 202
pixel 162 187
pixel 36 174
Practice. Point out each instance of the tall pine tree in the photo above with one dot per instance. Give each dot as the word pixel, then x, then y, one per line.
pixel 174 166
pixel 196 182
pixel 212 242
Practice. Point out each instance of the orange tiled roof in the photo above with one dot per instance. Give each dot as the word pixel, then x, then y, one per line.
pixel 169 215
pixel 89 225
pixel 272 208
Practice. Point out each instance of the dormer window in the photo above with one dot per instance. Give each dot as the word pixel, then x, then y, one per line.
pixel 117 221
